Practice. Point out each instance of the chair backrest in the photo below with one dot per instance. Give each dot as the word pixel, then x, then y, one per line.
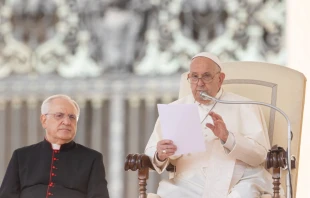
pixel 273 84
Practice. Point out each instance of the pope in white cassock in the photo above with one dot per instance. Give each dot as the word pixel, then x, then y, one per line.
pixel 236 141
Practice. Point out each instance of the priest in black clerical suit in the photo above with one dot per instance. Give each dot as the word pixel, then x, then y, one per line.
pixel 57 167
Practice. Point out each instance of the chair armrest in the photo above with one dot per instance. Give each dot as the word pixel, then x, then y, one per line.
pixel 137 162
pixel 276 159
pixel 143 164
pixel 140 161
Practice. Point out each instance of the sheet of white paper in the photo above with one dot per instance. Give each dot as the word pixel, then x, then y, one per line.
pixel 181 124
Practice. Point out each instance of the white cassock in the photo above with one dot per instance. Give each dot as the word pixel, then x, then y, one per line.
pixel 233 169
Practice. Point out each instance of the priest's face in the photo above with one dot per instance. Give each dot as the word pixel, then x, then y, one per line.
pixel 60 122
pixel 205 75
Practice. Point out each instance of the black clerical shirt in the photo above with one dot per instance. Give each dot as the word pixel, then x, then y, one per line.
pixel 38 171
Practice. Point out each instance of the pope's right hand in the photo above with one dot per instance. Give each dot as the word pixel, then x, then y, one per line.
pixel 165 148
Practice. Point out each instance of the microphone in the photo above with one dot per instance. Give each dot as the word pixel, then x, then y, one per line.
pixel 205 96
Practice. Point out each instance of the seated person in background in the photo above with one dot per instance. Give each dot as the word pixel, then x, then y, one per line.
pixel 236 141
pixel 56 167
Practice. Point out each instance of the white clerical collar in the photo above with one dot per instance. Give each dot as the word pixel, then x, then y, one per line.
pixel 55 146
pixel 219 93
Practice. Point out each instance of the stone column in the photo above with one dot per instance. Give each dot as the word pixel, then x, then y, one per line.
pixel 3 138
pixel 33 117
pixel 97 118
pixel 82 129
pixel 133 141
pixel 16 122
pixel 116 142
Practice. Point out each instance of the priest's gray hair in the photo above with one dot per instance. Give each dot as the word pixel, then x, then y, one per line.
pixel 47 101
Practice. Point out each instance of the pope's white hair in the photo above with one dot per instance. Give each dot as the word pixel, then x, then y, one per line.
pixel 47 101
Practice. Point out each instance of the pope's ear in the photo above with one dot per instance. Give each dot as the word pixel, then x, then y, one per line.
pixel 222 77
pixel 43 121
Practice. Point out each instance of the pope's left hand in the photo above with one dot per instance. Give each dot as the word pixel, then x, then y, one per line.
pixel 218 127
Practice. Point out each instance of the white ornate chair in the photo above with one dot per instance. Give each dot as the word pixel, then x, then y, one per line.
pixel 273 84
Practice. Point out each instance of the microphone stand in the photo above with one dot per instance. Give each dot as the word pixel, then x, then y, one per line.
pixel 205 96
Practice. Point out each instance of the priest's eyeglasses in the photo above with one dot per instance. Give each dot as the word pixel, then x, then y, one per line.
pixel 60 116
pixel 206 78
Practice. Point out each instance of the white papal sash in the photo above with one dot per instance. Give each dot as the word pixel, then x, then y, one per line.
pixel 219 172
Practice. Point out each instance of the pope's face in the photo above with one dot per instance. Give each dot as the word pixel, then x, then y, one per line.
pixel 60 122
pixel 204 68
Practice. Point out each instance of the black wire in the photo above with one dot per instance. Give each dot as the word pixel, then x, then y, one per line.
pixel 291 135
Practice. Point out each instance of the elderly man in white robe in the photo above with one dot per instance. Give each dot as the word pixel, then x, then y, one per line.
pixel 236 141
